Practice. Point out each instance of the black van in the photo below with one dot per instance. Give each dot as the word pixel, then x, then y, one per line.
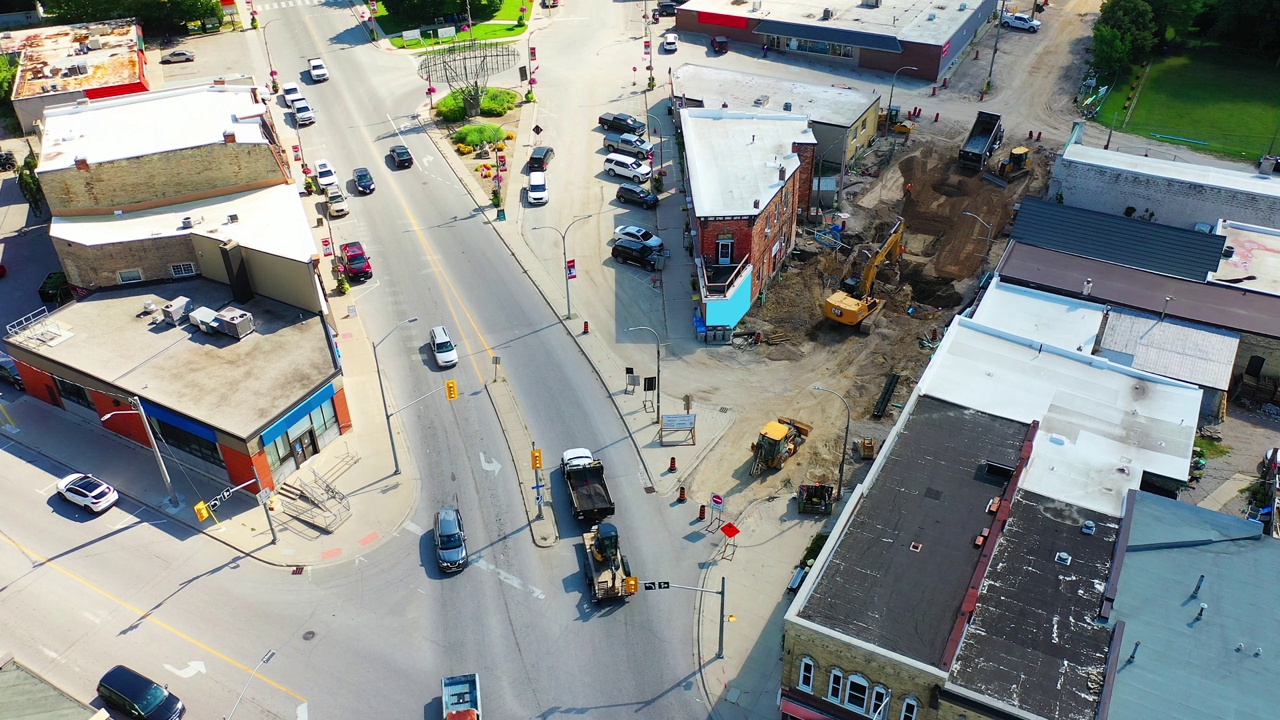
pixel 139 696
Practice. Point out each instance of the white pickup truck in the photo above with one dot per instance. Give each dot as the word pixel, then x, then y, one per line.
pixel 319 73
pixel 1020 21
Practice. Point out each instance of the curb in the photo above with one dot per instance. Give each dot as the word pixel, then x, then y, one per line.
pixel 514 428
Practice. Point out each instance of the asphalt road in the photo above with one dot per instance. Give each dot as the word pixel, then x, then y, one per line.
pixel 372 638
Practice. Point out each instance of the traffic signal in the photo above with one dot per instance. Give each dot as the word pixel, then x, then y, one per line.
pixel 451 389
pixel 633 585
pixel 536 459
pixel 202 511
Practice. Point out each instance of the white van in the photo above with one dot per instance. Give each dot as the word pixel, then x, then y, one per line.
pixel 617 164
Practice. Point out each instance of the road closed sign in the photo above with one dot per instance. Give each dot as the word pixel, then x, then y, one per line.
pixel 717 502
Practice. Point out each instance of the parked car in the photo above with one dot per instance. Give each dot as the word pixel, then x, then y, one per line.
pixel 451 540
pixel 292 93
pixel 639 234
pixel 1019 21
pixel 9 371
pixel 617 164
pixel 636 195
pixel 178 56
pixel 670 42
pixel 325 173
pixel 630 251
pixel 88 492
pixel 537 193
pixel 628 144
pixel 541 157
pixel 442 348
pixel 401 155
pixel 303 114
pixel 720 44
pixel 337 202
pixel 667 9
pixel 363 180
pixel 355 261
pixel 138 695
pixel 319 72
pixel 621 122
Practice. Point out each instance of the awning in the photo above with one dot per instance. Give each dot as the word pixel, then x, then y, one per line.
pixel 871 41
pixel 795 709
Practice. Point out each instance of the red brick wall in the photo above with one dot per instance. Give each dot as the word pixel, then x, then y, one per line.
pixel 241 467
pixel 39 383
pixel 128 423
pixel 342 411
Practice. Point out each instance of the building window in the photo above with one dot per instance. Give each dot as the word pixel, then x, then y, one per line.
pixel 879 697
pixel 130 276
pixel 910 709
pixel 191 444
pixel 835 686
pixel 724 251
pixel 183 269
pixel 855 692
pixel 73 393
pixel 864 124
pixel 278 451
pixel 806 674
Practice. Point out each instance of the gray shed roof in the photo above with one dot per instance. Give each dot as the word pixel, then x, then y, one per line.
pixel 1118 239
pixel 1173 348
pixel 871 41
pixel 25 695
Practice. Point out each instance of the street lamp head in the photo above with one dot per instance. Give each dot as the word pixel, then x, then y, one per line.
pixel 413 319
pixel 817 387
pixel 109 415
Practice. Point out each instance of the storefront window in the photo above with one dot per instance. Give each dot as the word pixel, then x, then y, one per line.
pixel 180 439
pixel 72 392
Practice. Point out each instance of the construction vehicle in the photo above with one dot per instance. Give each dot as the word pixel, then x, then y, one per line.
pixel 460 697
pixel 983 140
pixel 816 499
pixel 588 492
pixel 867 448
pixel 852 304
pixel 608 572
pixel 1015 166
pixel 778 441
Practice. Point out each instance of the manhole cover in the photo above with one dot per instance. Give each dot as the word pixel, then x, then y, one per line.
pixel 308 634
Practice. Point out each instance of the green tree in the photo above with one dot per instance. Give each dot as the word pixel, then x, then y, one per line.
pixel 155 16
pixel 1135 22
pixel 1253 24
pixel 1111 52
pixel 1175 15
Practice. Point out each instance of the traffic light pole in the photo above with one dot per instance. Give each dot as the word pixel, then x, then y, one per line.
pixel 723 618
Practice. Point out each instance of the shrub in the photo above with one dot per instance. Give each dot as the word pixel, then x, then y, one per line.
pixel 464 149
pixel 450 108
pixel 477 134
pixel 495 103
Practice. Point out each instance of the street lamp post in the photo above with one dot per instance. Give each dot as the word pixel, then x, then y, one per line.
pixel 988 227
pixel 564 247
pixel 892 86
pixel 657 351
pixel 174 503
pixel 844 449
pixel 265 659
pixel 275 85
pixel 395 455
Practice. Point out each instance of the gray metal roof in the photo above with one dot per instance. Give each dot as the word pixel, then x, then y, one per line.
pixel 25 695
pixel 1118 239
pixel 855 38
pixel 1033 641
pixel 1173 348
pixel 1222 665
pixel 933 490
pixel 1217 305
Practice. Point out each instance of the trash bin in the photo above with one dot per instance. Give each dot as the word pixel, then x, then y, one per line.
pixel 661 262
pixel 700 327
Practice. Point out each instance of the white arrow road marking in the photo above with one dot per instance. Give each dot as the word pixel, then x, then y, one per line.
pixel 490 466
pixel 49 652
pixel 414 528
pixel 508 578
pixel 193 667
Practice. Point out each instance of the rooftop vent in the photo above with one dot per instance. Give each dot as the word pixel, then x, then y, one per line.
pixel 932 17
pixel 1062 557
pixel 963 7
pixel 786 107
pixel 233 218
pixel 827 13
pixel 916 547
pixel 755 204
pixel 187 224
pixel 1089 527
pixel 761 101
pixel 871 3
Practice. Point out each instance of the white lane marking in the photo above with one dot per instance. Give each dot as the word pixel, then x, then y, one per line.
pixel 53 655
pixel 414 528
pixel 508 578
pixel 490 466
pixel 302 711
pixel 93 617
pixel 193 667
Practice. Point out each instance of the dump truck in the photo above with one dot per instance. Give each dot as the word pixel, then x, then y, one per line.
pixel 588 492
pixel 778 441
pixel 607 570
pixel 852 304
pixel 984 139
pixel 460 697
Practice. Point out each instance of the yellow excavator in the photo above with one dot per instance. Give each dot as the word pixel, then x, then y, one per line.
pixel 852 304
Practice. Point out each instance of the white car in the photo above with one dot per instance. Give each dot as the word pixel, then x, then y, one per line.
pixel 537 193
pixel 87 491
pixel 337 202
pixel 442 348
pixel 319 73
pixel 303 114
pixel 670 42
pixel 639 234
pixel 292 93
pixel 326 174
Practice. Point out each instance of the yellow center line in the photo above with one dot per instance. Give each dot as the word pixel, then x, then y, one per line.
pixel 146 615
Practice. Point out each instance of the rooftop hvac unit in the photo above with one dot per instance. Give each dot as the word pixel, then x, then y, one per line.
pixel 82 67
pixel 871 3
pixel 235 322
pixel 187 224
pixel 205 318
pixel 95 43
pixel 177 310
pixel 827 13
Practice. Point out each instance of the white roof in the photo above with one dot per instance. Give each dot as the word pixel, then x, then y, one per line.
pixel 1252 183
pixel 1255 263
pixel 272 220
pixel 147 123
pixel 905 19
pixel 827 104
pixel 1102 425
pixel 1055 320
pixel 734 157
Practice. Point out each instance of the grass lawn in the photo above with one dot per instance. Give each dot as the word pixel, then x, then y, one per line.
pixel 487 31
pixel 511 10
pixel 1228 101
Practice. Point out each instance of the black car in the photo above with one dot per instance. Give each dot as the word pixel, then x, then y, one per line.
pixel 139 696
pixel 364 181
pixel 636 195
pixel 540 158
pixel 401 155
pixel 451 540
pixel 720 44
pixel 666 9
pixel 630 251
pixel 621 122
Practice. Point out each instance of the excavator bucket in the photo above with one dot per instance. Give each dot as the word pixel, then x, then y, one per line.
pixel 803 428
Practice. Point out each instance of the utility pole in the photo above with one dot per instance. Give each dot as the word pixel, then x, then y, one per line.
pixel 991 73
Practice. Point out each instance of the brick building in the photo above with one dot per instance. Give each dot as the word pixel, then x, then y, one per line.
pixel 965 576
pixel 750 179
